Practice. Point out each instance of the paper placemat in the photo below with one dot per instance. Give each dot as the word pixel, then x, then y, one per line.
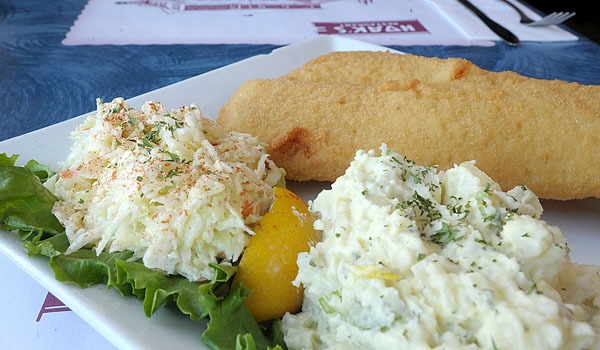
pixel 279 22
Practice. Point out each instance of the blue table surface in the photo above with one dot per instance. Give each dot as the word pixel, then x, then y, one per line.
pixel 43 82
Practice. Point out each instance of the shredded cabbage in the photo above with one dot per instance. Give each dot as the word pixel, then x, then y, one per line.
pixel 169 186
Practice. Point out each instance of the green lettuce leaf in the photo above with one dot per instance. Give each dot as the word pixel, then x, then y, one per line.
pixel 43 172
pixel 7 161
pixel 38 245
pixel 231 317
pixel 25 204
pixel 86 268
pixel 159 289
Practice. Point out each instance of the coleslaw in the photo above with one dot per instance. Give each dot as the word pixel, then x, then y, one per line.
pixel 167 185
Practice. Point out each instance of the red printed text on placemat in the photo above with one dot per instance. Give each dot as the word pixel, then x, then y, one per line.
pixel 370 27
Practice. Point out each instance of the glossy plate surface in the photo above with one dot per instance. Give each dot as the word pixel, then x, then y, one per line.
pixel 121 320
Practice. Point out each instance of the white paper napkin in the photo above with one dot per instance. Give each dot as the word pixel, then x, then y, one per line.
pixel 504 15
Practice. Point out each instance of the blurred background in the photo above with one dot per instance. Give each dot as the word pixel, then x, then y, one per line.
pixel 587 20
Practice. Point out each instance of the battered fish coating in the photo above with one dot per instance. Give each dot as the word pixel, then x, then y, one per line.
pixel 520 131
pixel 370 67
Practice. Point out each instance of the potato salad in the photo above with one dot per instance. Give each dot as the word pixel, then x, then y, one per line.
pixel 168 185
pixel 417 258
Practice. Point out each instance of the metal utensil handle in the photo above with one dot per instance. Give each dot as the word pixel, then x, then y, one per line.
pixel 502 32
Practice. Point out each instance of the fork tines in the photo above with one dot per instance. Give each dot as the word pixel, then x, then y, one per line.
pixel 552 19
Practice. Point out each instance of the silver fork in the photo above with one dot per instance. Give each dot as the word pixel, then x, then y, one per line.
pixel 552 19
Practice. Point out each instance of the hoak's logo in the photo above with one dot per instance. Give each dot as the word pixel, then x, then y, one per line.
pixel 51 304
pixel 370 27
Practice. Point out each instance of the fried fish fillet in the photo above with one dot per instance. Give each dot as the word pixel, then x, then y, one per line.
pixel 520 131
pixel 369 67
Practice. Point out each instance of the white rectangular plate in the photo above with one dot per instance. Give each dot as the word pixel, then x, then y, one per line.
pixel 121 320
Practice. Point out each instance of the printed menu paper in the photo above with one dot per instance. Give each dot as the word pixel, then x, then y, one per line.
pixel 278 22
